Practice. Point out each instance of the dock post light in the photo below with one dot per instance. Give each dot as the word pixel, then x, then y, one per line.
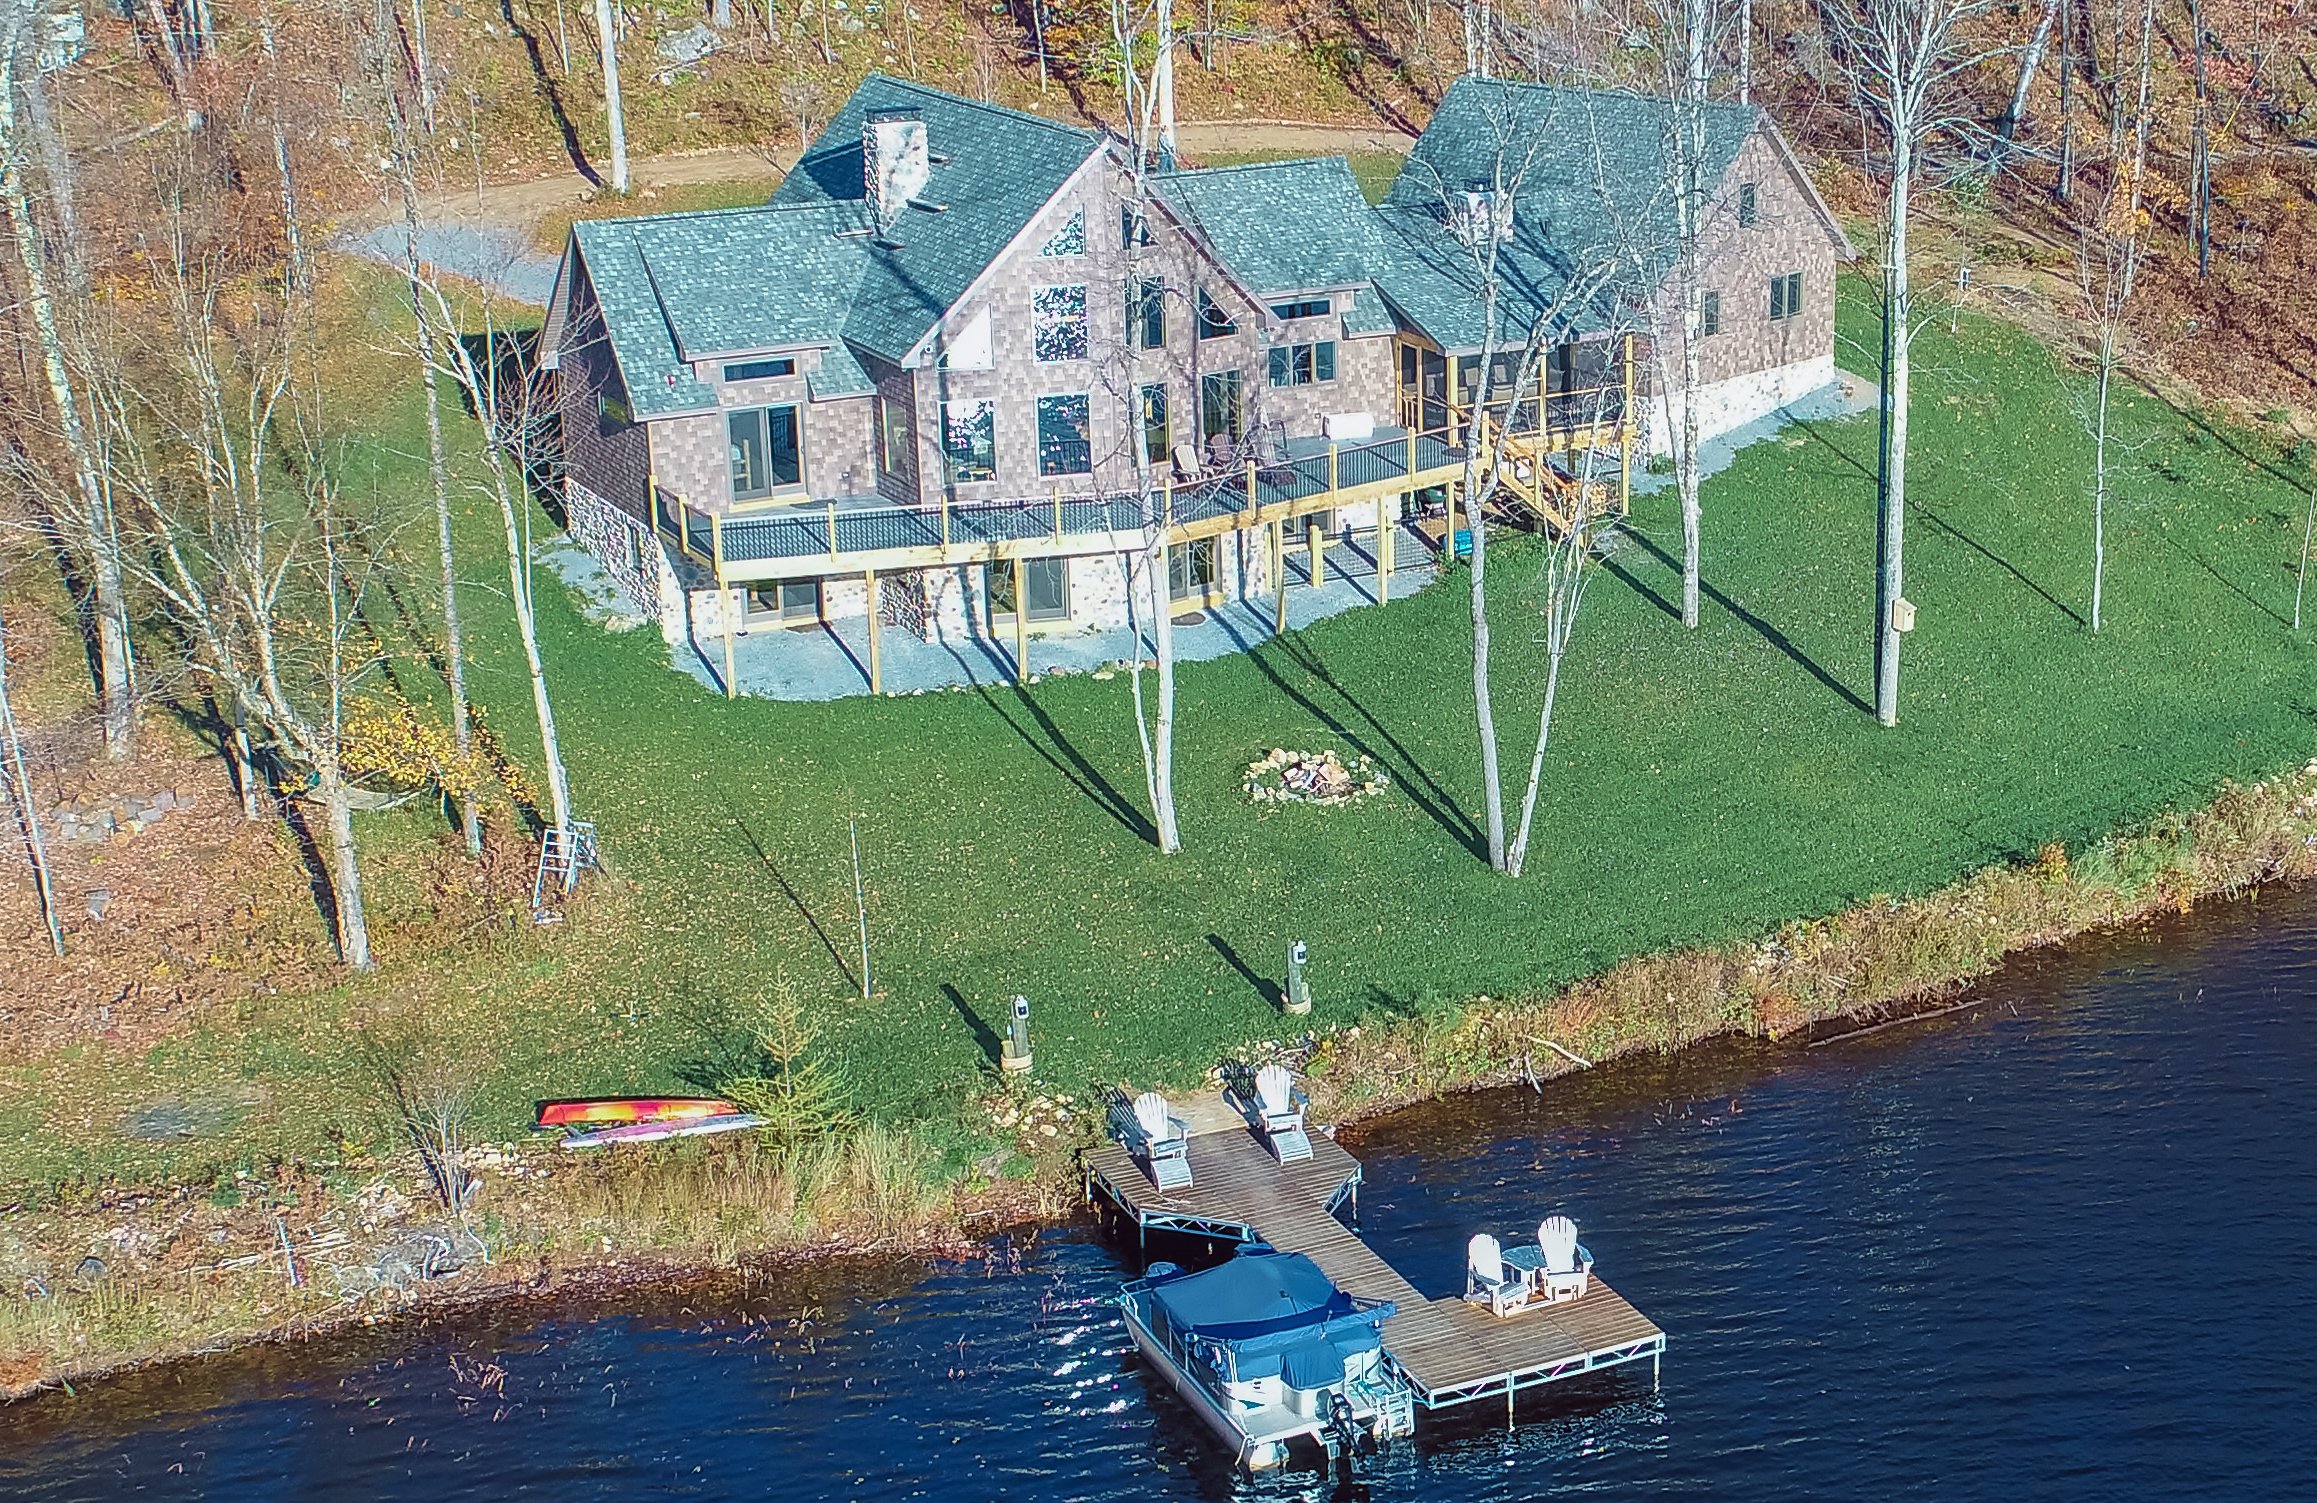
pixel 1014 1053
pixel 1298 997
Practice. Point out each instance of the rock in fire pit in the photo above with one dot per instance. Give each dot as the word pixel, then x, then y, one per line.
pixel 1295 777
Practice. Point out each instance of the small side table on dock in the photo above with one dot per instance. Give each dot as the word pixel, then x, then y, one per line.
pixel 1528 1260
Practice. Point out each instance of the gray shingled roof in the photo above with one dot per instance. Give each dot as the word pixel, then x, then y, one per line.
pixel 1279 227
pixel 993 170
pixel 802 270
pixel 1587 169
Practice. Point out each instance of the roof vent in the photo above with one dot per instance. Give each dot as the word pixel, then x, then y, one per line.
pixel 894 161
pixel 1479 215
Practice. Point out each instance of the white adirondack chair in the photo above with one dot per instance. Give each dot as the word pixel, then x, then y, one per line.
pixel 1166 1144
pixel 1568 1270
pixel 1282 1105
pixel 1488 1282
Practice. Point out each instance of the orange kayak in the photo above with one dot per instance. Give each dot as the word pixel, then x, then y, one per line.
pixel 608 1111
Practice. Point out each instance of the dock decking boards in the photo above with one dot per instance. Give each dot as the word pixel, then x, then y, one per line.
pixel 1449 1352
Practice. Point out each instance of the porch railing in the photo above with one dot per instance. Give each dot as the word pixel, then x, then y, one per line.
pixel 829 530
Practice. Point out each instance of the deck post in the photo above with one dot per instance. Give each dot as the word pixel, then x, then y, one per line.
pixel 1385 526
pixel 1021 626
pixel 1315 541
pixel 1625 439
pixel 1057 513
pixel 876 662
pixel 1331 469
pixel 723 599
pixel 1279 577
pixel 1411 459
pixel 945 519
pixel 832 529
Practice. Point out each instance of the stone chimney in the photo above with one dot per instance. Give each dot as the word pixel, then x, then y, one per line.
pixel 895 161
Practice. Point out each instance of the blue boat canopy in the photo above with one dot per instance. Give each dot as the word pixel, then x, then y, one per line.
pixel 1272 1314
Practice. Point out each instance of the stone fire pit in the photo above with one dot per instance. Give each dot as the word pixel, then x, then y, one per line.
pixel 1297 777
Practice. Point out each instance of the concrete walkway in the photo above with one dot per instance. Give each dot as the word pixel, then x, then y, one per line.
pixel 831 661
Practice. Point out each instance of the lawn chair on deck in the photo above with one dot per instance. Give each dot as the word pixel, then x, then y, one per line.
pixel 1282 1105
pixel 1166 1143
pixel 1568 1270
pixel 1488 1282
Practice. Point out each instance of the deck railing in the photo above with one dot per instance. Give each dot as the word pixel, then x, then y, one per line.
pixel 833 531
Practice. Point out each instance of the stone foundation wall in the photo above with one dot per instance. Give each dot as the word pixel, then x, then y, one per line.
pixel 1725 406
pixel 626 547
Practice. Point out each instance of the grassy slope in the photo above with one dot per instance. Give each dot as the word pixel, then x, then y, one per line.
pixel 1701 788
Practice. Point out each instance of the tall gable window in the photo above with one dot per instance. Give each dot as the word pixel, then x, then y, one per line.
pixel 1786 295
pixel 1158 433
pixel 1749 205
pixel 1058 322
pixel 1146 314
pixel 969 440
pixel 1065 441
pixel 1215 320
pixel 764 452
pixel 1709 313
pixel 1070 240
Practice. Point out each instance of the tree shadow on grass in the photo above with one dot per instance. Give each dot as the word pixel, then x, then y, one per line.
pixel 795 899
pixel 984 1037
pixel 1423 789
pixel 1761 628
pixel 2005 564
pixel 2176 545
pixel 1065 758
pixel 1263 986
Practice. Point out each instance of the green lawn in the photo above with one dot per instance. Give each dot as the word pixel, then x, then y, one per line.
pixel 1702 787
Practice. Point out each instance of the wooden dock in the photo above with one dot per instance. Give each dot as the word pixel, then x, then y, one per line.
pixel 1447 1351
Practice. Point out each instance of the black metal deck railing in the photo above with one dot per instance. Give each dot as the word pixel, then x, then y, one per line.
pixel 836 530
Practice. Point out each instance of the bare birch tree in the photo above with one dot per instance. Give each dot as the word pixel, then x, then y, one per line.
pixel 1516 334
pixel 607 39
pixel 2108 250
pixel 81 512
pixel 1687 35
pixel 27 809
pixel 1149 117
pixel 1903 57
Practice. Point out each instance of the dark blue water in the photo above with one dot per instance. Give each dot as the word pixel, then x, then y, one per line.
pixel 2059 1246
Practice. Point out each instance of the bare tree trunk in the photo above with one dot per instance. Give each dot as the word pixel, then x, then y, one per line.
pixel 345 874
pixel 94 531
pixel 300 278
pixel 420 63
pixel 1745 51
pixel 1484 707
pixel 438 475
pixel 519 583
pixel 2100 475
pixel 1689 210
pixel 2141 120
pixel 172 62
pixel 56 169
pixel 1898 336
pixel 611 106
pixel 1162 630
pixel 1518 856
pixel 244 764
pixel 2201 149
pixel 2029 61
pixel 2069 63
pixel 27 812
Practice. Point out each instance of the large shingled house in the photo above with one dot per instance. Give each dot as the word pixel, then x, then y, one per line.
pixel 960 376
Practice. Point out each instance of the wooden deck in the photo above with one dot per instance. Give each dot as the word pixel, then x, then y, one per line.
pixel 1447 1351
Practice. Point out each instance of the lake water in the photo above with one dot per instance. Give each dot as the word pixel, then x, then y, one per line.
pixel 2051 1247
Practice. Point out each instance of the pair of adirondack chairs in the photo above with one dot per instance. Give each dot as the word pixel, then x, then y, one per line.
pixel 1564 1270
pixel 1165 1142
